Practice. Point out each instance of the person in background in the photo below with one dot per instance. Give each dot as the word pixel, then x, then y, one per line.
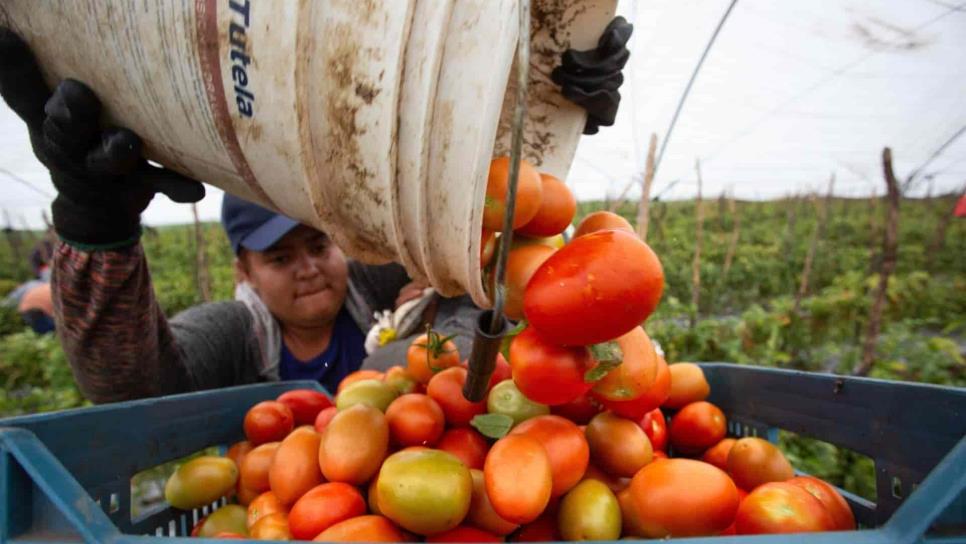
pixel 32 299
pixel 301 308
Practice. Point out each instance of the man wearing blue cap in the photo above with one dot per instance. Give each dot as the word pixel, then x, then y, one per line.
pixel 301 308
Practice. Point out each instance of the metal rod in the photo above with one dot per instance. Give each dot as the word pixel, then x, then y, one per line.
pixel 516 146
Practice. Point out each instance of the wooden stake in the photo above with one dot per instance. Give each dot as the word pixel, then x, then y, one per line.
pixel 643 210
pixel 696 263
pixel 887 266
pixel 202 277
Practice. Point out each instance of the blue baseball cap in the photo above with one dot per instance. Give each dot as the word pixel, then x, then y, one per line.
pixel 251 226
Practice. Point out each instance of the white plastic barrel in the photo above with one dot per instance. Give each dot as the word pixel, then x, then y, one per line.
pixel 373 120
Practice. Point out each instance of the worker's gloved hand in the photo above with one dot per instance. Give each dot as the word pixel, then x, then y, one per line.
pixel 591 78
pixel 103 181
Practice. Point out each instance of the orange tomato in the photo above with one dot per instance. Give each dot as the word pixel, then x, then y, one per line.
pixel 717 455
pixel 688 385
pixel 781 507
pixel 270 527
pixel 659 454
pixel 430 353
pixel 295 468
pixel 358 376
pixel 255 468
pixel 731 528
pixel 566 448
pixel 556 212
pixel 325 416
pixel 528 197
pixel 245 496
pixel 322 507
pixel 522 262
pixel 618 445
pixel 268 421
pixel 263 505
pixel 602 220
pixel 305 404
pixel 697 427
pixel 354 445
pixel 842 517
pixel 755 461
pixel 654 397
pixel 238 451
pixel 481 512
pixel 631 524
pixel 466 444
pixel 463 533
pixel 638 369
pixel 683 497
pixel 362 529
pixel 446 388
pixel 415 420
pixel 518 478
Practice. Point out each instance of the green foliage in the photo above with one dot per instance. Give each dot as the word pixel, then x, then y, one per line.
pixel 35 375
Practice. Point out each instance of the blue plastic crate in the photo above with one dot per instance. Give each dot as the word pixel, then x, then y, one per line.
pixel 65 476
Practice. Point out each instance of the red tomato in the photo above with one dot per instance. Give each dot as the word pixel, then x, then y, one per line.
pixel 464 533
pixel 781 507
pixel 731 528
pixel 833 501
pixel 548 373
pixel 580 410
pixel 268 421
pixel 323 506
pixel 305 404
pixel 325 416
pixel 636 408
pixel 556 210
pixel 542 529
pixel 566 448
pixel 446 388
pixel 522 262
pixel 655 427
pixel 467 444
pixel 697 427
pixel 596 288
pixel 415 420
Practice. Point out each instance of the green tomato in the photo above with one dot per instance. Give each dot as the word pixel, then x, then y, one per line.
pixel 590 511
pixel 375 393
pixel 231 518
pixel 506 399
pixel 424 491
pixel 200 481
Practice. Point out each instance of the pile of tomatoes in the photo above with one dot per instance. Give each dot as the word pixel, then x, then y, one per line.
pixel 585 433
pixel 397 458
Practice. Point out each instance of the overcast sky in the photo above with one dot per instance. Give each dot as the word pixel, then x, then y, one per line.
pixel 792 91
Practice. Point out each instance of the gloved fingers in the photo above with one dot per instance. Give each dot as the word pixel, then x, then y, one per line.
pixel 594 61
pixel 21 84
pixel 601 105
pixel 178 188
pixel 616 34
pixel 71 127
pixel 118 154
pixel 607 82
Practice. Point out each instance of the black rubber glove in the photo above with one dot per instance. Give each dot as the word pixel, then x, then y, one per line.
pixel 102 180
pixel 591 78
